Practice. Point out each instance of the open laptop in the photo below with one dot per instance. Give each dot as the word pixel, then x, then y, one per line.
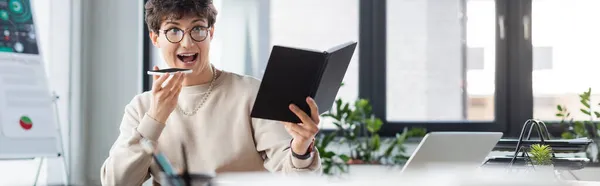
pixel 463 149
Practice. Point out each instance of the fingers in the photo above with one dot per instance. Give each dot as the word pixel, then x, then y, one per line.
pixel 169 85
pixel 314 110
pixel 158 82
pixel 290 130
pixel 175 93
pixel 296 131
pixel 301 114
pixel 308 124
pixel 301 130
pixel 155 76
pixel 175 81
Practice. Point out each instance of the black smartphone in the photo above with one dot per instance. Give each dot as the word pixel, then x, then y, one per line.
pixel 169 71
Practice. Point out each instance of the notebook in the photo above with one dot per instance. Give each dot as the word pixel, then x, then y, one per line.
pixel 292 74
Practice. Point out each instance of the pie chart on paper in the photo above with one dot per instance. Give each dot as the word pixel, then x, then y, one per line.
pixel 25 122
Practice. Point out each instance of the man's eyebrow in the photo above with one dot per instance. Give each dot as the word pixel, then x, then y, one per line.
pixel 198 20
pixel 172 22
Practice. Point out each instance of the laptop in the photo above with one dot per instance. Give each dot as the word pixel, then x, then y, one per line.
pixel 462 149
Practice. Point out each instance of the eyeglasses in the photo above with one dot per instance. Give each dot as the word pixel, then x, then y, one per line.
pixel 175 35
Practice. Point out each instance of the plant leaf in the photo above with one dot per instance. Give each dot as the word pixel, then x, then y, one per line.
pixel 328 115
pixel 375 142
pixel 559 115
pixel 327 168
pixel 579 129
pixel 344 157
pixel 328 154
pixel 328 139
pixel 389 150
pixel 374 124
pixel 585 112
pixel 341 167
pixel 541 154
pixel 559 108
pixel 417 132
pixel 338 125
pixel 362 105
pixel 567 135
pixel 597 114
pixel 585 103
pixel 346 108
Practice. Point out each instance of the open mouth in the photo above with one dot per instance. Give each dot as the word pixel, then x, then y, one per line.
pixel 187 58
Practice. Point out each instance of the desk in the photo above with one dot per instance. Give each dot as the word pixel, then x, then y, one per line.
pixel 431 177
pixel 371 176
pixel 584 183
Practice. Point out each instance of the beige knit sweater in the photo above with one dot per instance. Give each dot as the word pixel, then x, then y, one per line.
pixel 220 137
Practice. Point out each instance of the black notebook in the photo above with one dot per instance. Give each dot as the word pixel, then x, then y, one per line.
pixel 292 74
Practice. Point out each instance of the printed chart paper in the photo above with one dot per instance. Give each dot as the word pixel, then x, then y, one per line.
pixel 26 106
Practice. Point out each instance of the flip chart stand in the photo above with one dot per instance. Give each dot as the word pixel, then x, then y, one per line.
pixel 55 99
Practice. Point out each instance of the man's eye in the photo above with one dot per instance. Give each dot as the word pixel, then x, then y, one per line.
pixel 174 31
pixel 197 29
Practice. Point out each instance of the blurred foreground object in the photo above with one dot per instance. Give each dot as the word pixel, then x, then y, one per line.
pixel 443 175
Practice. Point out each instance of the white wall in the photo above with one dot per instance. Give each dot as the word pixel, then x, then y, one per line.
pixel 111 65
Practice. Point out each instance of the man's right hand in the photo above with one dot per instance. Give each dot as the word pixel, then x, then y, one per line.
pixel 164 99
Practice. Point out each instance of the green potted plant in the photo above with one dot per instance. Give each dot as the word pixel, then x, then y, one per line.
pixel 357 128
pixel 582 128
pixel 541 158
pixel 540 154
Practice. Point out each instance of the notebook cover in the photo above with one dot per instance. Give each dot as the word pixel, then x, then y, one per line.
pixel 333 75
pixel 290 77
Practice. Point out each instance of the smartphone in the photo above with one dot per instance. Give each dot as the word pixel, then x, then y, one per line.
pixel 169 71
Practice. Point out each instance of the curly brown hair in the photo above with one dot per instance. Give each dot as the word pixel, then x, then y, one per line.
pixel 159 10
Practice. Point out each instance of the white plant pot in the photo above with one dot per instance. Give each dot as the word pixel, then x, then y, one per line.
pixel 544 170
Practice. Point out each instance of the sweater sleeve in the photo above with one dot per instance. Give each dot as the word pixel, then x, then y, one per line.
pixel 128 163
pixel 273 142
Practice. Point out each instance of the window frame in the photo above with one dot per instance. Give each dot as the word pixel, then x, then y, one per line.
pixel 513 99
pixel 513 54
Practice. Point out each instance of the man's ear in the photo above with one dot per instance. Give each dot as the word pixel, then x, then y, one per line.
pixel 154 37
pixel 212 32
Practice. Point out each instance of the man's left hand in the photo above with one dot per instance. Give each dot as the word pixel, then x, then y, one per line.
pixel 303 133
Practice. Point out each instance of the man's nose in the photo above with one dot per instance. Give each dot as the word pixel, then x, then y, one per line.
pixel 187 41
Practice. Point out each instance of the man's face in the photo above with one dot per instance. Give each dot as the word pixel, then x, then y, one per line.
pixel 185 43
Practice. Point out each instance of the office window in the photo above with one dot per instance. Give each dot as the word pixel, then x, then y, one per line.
pixel 542 58
pixel 475 58
pixel 429 77
pixel 569 43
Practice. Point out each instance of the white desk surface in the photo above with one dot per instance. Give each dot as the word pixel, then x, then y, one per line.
pixel 585 183
pixel 264 179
